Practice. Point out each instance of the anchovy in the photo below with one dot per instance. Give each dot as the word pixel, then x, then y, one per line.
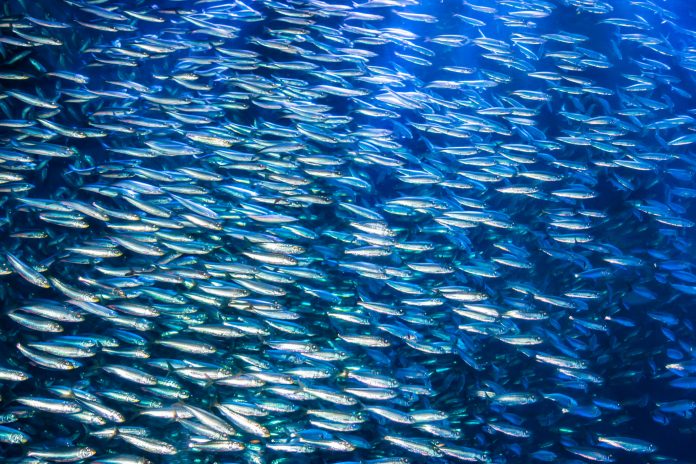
pixel 382 231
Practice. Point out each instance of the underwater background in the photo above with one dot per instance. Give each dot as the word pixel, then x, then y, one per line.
pixel 382 231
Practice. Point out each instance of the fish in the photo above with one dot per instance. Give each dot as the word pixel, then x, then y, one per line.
pixel 381 231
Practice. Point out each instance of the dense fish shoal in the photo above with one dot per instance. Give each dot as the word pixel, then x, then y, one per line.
pixel 373 232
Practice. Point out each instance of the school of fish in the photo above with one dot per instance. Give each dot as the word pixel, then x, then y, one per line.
pixel 356 232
